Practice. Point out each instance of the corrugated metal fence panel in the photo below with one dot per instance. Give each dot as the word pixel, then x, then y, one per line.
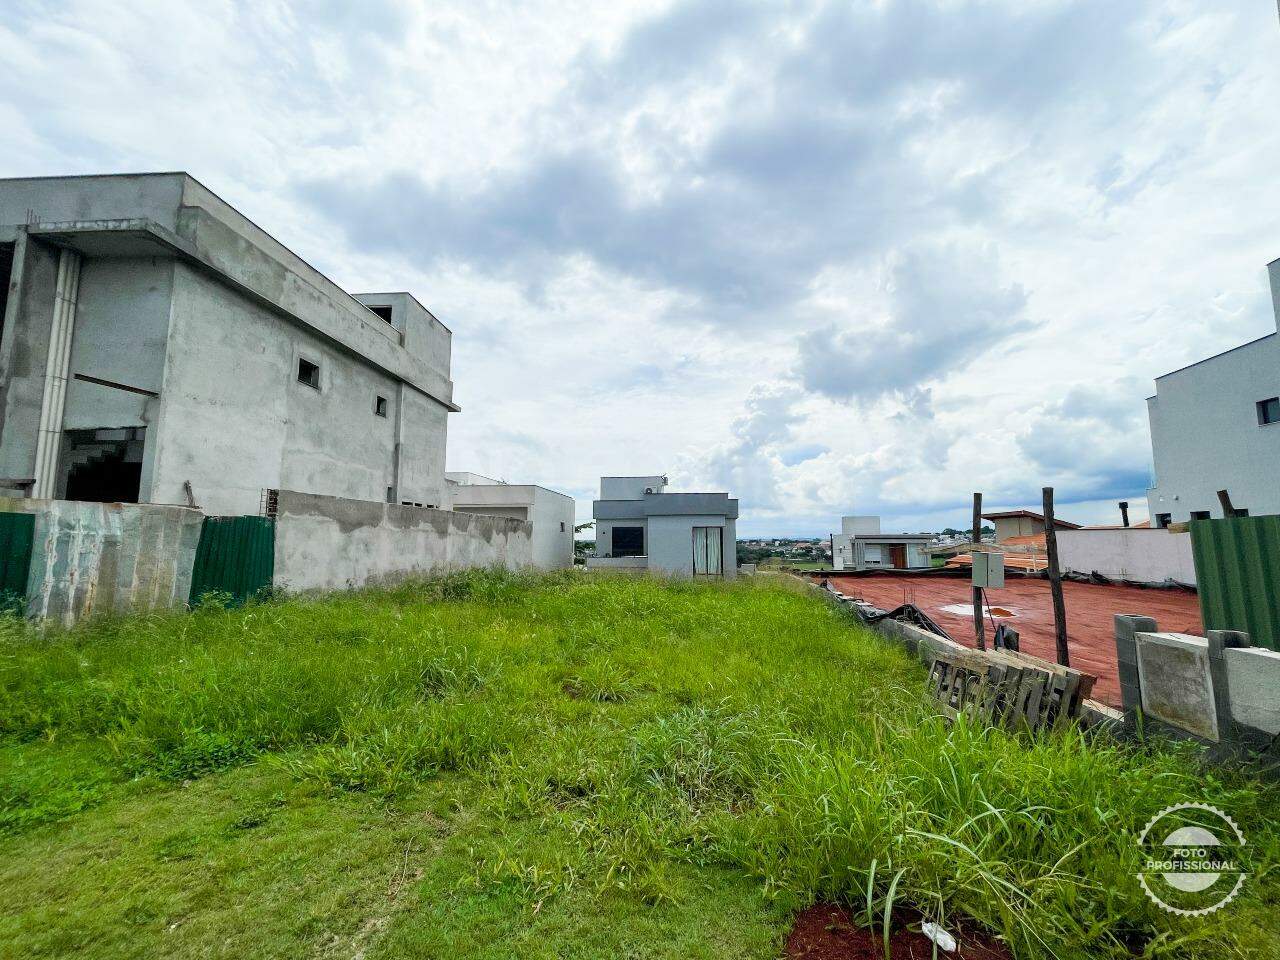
pixel 17 534
pixel 236 555
pixel 1238 572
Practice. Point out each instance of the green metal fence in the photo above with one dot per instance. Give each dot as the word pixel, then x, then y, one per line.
pixel 17 535
pixel 1238 575
pixel 236 556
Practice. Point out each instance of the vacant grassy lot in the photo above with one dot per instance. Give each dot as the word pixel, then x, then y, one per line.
pixel 495 766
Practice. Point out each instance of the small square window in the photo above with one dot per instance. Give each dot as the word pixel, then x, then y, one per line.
pixel 380 406
pixel 309 373
pixel 1269 411
pixel 383 312
pixel 1163 519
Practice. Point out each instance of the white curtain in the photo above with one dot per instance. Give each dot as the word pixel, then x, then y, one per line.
pixel 707 544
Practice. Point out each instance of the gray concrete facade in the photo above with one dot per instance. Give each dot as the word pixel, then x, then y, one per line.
pixel 681 534
pixel 1208 434
pixel 550 512
pixel 155 337
pixel 330 543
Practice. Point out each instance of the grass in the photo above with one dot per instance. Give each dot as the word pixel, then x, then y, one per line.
pixel 491 765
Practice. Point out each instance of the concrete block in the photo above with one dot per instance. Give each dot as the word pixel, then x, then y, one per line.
pixel 1176 682
pixel 1253 676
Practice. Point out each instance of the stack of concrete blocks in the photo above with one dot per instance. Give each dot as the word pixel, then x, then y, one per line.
pixel 1217 689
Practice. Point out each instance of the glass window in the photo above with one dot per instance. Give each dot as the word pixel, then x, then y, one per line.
pixel 628 541
pixel 1269 411
pixel 309 373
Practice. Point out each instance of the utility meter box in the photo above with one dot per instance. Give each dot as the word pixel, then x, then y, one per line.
pixel 988 569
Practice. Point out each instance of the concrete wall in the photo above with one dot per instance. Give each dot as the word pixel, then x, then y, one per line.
pixel 330 543
pixel 100 557
pixel 1142 554
pixel 1217 689
pixel 1205 434
pixel 24 352
pixel 629 488
pixel 233 436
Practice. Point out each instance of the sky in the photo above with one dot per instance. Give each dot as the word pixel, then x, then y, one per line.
pixel 865 256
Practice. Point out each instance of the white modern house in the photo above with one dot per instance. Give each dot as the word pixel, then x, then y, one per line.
pixel 1215 425
pixel 640 526
pixel 550 512
pixel 861 546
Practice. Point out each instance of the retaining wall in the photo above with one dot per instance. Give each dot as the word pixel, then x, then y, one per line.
pixel 333 543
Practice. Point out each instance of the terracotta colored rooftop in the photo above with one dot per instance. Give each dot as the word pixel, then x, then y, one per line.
pixel 1090 608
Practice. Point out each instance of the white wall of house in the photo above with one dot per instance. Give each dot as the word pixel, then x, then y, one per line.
pixel 551 514
pixel 1143 554
pixel 1205 434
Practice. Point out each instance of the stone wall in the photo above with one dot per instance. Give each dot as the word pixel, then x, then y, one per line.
pixel 333 543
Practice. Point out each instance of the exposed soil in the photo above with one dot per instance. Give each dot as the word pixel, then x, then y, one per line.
pixel 1091 609
pixel 828 932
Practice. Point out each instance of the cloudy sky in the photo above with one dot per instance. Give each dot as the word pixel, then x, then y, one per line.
pixel 865 255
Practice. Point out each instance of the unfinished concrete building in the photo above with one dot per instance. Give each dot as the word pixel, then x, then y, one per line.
pixel 159 347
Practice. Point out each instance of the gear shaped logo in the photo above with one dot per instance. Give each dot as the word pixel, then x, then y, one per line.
pixel 1192 859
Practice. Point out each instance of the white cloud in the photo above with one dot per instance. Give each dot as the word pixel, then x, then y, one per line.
pixel 833 255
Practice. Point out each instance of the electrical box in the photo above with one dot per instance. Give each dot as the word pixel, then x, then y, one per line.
pixel 988 569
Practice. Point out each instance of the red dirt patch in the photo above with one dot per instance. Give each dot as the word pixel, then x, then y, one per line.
pixel 827 932
pixel 1090 607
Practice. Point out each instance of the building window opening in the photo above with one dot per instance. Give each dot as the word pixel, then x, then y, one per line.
pixel 562 526
pixel 382 312
pixel 391 494
pixel 380 406
pixel 6 270
pixel 309 373
pixel 102 466
pixel 628 541
pixel 1269 411
pixel 1163 519
pixel 1199 514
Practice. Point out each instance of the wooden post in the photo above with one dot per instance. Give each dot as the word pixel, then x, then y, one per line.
pixel 1055 579
pixel 979 630
pixel 1124 512
pixel 1224 498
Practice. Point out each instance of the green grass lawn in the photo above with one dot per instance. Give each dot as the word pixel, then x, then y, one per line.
pixel 489 765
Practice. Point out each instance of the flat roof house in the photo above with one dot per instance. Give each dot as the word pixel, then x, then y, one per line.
pixel 861 546
pixel 1215 425
pixel 159 347
pixel 550 512
pixel 640 526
